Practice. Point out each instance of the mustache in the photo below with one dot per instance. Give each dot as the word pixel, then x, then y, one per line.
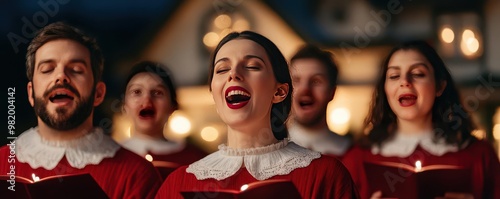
pixel 64 86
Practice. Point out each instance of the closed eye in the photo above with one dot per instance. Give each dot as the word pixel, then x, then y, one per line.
pixel 219 71
pixel 253 67
pixel 394 77
pixel 418 75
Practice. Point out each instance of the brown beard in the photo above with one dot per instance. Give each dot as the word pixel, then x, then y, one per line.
pixel 63 118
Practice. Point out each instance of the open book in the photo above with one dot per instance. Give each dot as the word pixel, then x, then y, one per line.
pixel 400 180
pixel 59 186
pixel 266 189
pixel 165 168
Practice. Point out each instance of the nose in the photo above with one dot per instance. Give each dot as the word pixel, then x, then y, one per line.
pixel 234 74
pixel 302 88
pixel 61 76
pixel 404 81
pixel 146 100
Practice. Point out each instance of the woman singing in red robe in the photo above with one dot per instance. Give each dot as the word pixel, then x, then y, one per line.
pixel 417 119
pixel 251 86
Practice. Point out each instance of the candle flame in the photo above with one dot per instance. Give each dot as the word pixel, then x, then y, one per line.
pixel 244 187
pixel 35 178
pixel 418 166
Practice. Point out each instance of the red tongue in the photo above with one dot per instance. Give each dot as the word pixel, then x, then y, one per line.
pixel 407 101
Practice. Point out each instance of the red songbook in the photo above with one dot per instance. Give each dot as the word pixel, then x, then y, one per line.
pixel 59 186
pixel 266 189
pixel 398 180
pixel 165 168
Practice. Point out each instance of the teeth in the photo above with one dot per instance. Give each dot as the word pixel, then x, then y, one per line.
pixel 238 92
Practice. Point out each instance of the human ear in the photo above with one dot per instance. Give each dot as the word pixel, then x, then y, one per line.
pixel 281 93
pixel 440 91
pixel 100 92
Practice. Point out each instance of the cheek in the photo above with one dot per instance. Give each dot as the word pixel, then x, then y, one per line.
pixel 216 90
pixel 129 106
pixel 164 104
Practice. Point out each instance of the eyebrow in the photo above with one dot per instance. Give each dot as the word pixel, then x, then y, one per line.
pixel 52 60
pixel 246 57
pixel 411 67
pixel 160 85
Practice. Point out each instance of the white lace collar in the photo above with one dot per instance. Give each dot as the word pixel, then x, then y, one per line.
pixel 403 145
pixel 89 149
pixel 262 163
pixel 142 145
pixel 323 141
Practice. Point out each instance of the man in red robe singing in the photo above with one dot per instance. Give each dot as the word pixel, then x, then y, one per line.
pixel 64 69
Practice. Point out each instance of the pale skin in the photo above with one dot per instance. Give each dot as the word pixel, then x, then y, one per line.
pixel 312 87
pixel 146 91
pixel 410 73
pixel 60 61
pixel 245 64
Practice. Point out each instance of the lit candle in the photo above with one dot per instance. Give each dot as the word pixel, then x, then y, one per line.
pixel 244 187
pixel 35 178
pixel 418 166
pixel 149 158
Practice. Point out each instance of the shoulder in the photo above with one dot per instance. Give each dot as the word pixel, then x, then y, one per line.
pixel 128 158
pixel 5 149
pixel 176 178
pixel 179 173
pixel 328 164
pixel 356 152
pixel 480 147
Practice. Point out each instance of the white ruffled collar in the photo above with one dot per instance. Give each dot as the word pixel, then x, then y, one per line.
pixel 142 145
pixel 89 149
pixel 323 141
pixel 262 163
pixel 403 145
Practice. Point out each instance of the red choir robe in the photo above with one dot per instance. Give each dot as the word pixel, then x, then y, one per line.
pixel 166 155
pixel 314 175
pixel 119 172
pixel 163 150
pixel 324 141
pixel 478 155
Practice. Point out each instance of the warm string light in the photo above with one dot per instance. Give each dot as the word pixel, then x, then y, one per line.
pixel 447 35
pixel 222 25
pixel 179 124
pixel 338 120
pixel 149 157
pixel 209 134
pixel 469 43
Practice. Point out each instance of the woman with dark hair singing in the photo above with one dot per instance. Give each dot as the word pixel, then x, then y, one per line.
pixel 417 119
pixel 251 86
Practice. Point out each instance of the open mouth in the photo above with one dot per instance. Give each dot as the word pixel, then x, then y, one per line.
pixel 147 113
pixel 305 103
pixel 407 99
pixel 61 96
pixel 237 97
